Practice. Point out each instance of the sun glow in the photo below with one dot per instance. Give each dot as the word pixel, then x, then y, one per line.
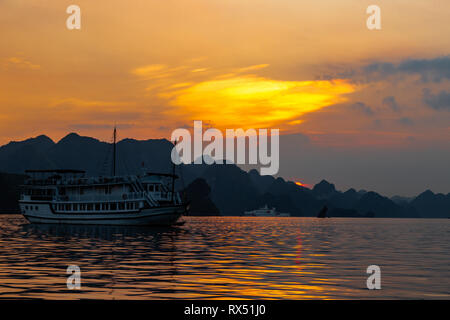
pixel 250 101
pixel 301 184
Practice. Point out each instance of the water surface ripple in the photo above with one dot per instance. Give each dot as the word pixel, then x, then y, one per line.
pixel 228 258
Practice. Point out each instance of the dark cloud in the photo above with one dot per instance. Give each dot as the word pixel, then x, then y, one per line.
pixel 391 103
pixel 380 67
pixel 440 101
pixel 377 123
pixel 430 70
pixel 405 121
pixel 362 107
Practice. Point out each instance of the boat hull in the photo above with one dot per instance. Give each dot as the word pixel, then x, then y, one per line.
pixel 166 215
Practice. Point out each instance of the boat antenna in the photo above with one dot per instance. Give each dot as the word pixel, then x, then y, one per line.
pixel 114 151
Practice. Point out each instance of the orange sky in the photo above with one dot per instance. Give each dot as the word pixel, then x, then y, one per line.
pixel 154 66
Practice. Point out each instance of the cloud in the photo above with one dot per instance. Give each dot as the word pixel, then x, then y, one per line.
pixel 440 101
pixel 391 103
pixel 380 67
pixel 21 63
pixel 83 114
pixel 250 101
pixel 252 68
pixel 377 124
pixel 430 70
pixel 199 70
pixel 405 121
pixel 364 108
pixel 237 97
pixel 151 70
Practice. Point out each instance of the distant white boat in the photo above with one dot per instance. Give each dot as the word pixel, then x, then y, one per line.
pixel 265 212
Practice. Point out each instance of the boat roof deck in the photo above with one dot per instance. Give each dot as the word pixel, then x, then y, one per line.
pixel 64 171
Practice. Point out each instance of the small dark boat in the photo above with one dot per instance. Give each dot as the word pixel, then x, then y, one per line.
pixel 323 212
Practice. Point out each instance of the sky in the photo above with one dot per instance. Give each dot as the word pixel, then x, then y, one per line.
pixel 362 108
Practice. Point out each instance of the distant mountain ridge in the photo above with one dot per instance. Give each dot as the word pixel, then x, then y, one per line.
pixel 231 189
pixel 84 153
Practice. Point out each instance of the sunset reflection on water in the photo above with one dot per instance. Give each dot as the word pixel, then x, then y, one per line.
pixel 227 258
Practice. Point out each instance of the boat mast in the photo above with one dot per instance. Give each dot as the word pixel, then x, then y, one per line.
pixel 173 174
pixel 114 152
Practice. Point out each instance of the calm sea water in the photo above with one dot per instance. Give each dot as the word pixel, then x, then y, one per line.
pixel 228 257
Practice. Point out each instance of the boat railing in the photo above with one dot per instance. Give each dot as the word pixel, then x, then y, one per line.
pixel 101 198
pixel 93 180
pixel 41 182
pixel 36 197
pixel 76 181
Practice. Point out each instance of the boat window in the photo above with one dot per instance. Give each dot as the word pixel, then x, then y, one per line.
pixel 97 206
pixel 113 206
pixel 121 206
pixel 36 208
pixel 90 206
pixel 104 206
pixel 150 188
pixel 26 207
pixel 75 207
pixel 67 207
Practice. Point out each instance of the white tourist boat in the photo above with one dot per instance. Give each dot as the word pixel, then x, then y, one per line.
pixel 265 212
pixel 67 196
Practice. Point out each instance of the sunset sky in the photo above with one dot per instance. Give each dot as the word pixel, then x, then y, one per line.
pixel 310 68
